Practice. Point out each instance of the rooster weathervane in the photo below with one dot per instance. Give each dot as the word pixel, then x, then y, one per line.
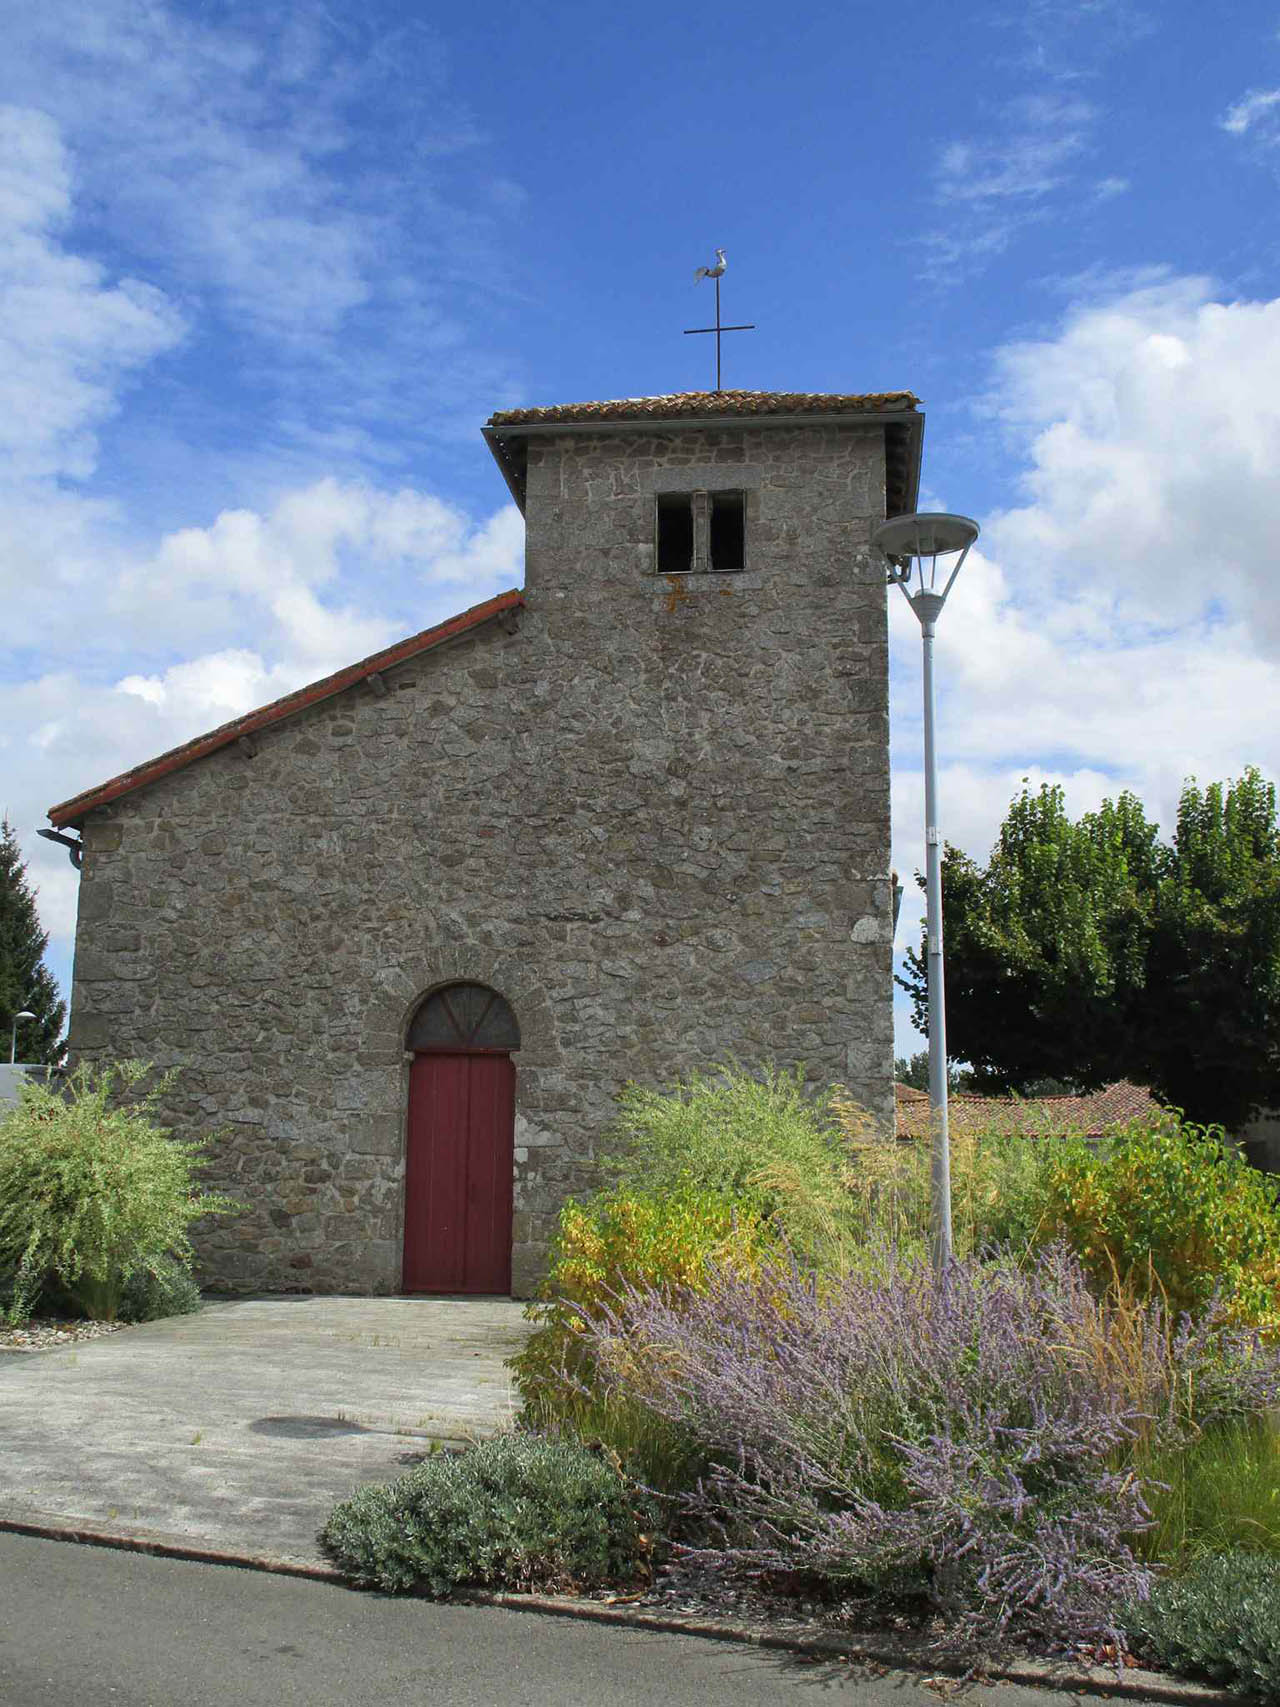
pixel 716 273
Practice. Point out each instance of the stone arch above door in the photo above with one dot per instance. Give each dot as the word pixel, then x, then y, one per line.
pixel 464 1018
pixel 397 995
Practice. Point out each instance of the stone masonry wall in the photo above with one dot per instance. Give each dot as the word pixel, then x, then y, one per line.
pixel 655 817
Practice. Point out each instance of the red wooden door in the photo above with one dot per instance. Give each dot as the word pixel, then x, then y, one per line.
pixel 457 1209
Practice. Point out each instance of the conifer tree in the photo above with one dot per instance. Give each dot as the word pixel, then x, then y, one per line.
pixel 25 981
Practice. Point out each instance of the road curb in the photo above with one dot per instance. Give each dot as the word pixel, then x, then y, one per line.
pixel 45 1526
pixel 1132 1685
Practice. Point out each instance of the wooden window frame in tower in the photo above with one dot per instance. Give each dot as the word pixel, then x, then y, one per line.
pixel 700 532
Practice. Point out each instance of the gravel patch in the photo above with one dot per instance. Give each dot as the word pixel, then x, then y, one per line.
pixel 43 1333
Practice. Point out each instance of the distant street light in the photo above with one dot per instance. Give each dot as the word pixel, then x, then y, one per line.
pixel 922 539
pixel 13 1035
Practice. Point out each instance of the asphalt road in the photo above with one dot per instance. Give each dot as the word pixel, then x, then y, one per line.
pixel 94 1627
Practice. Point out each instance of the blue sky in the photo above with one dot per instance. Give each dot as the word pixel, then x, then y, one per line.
pixel 264 273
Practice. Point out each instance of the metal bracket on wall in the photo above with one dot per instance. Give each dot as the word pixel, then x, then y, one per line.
pixel 74 848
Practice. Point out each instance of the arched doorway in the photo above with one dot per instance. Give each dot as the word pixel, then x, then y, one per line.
pixel 459 1156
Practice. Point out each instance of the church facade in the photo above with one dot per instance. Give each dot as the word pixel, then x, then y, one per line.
pixel 407 931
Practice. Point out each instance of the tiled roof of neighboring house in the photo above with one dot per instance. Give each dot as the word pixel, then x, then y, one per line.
pixel 1090 1115
pixel 508 431
pixel 73 811
pixel 683 403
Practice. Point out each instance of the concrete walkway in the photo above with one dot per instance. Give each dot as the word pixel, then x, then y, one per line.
pixel 237 1429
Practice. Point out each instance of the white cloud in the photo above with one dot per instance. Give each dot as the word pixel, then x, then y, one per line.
pixel 73 341
pixel 1045 133
pixel 1070 39
pixel 220 149
pixel 332 572
pixel 1120 627
pixel 1251 111
pixel 991 189
pixel 238 159
pixel 1153 430
pixel 211 690
pixel 69 337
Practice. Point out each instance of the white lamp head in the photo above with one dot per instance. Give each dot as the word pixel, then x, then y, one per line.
pixel 921 539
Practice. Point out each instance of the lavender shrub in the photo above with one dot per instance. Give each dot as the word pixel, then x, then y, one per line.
pixel 951 1446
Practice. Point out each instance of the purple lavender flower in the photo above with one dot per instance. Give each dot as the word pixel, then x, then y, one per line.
pixel 961 1444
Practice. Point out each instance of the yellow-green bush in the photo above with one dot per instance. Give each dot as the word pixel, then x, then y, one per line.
pixel 1168 1205
pixel 93 1192
pixel 763 1140
pixel 617 1239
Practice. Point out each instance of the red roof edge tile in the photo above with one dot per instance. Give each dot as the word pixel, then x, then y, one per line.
pixel 1091 1115
pixel 71 811
pixel 908 1093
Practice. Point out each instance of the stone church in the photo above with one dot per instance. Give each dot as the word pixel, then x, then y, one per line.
pixel 407 930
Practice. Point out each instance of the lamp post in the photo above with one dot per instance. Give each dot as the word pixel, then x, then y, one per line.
pixel 13 1035
pixel 918 541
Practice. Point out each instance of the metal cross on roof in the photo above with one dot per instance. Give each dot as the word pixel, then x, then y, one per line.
pixel 715 273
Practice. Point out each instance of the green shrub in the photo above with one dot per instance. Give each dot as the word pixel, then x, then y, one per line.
pixel 164 1287
pixel 515 1513
pixel 619 1239
pixel 764 1142
pixel 21 1285
pixel 92 1190
pixel 1167 1205
pixel 1219 1620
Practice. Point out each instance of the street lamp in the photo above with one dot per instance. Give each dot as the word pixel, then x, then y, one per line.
pixel 920 540
pixel 13 1035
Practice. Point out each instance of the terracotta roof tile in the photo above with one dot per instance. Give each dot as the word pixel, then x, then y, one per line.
pixel 684 403
pixel 1090 1115
pixel 73 810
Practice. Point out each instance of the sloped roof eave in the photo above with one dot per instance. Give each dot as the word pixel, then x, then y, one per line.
pixel 507 432
pixel 71 813
pixel 671 408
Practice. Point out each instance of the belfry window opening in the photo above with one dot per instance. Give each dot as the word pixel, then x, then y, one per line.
pixel 700 532
pixel 675 533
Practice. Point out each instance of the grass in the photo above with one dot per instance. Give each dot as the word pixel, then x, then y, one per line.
pixel 995 1181
pixel 643 1445
pixel 1219 1494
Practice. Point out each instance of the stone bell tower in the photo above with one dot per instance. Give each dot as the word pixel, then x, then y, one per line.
pixel 710 629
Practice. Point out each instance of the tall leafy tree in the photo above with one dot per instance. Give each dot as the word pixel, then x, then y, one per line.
pixel 1089 951
pixel 1045 945
pixel 25 981
pixel 1212 1044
